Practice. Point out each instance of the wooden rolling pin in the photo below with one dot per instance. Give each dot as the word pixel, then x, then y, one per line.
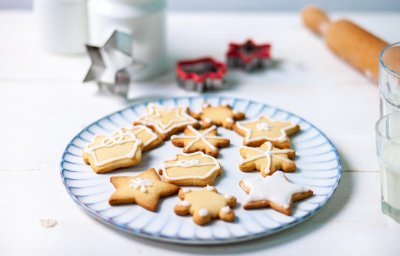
pixel 352 43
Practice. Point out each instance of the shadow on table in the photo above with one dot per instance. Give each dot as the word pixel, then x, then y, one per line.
pixel 333 207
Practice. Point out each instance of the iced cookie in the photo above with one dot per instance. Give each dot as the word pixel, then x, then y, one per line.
pixel 205 204
pixel 166 121
pixel 263 129
pixel 273 191
pixel 195 169
pixel 221 116
pixel 149 138
pixel 206 141
pixel 145 190
pixel 267 159
pixel 108 153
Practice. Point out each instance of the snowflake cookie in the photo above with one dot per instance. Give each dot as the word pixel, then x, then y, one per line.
pixel 206 141
pixel 267 159
pixel 258 131
pixel 273 191
pixel 166 121
pixel 222 115
pixel 108 153
pixel 195 169
pixel 145 190
pixel 205 204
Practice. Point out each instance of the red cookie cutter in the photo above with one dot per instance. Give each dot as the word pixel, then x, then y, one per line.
pixel 249 56
pixel 200 74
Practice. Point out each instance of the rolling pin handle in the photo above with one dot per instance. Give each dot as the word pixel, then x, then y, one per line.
pixel 315 19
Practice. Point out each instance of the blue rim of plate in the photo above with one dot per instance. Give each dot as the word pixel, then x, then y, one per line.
pixel 215 241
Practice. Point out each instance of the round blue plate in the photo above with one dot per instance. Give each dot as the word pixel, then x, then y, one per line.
pixel 318 168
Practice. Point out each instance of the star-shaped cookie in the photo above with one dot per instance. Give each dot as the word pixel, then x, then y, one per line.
pixel 205 204
pixel 110 152
pixel 222 115
pixel 263 129
pixel 206 141
pixel 267 159
pixel 145 190
pixel 166 121
pixel 149 138
pixel 195 169
pixel 273 191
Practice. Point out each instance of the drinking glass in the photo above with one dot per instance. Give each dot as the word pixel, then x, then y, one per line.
pixel 388 152
pixel 389 79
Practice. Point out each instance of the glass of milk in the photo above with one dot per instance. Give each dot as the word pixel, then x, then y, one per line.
pixel 388 151
pixel 389 79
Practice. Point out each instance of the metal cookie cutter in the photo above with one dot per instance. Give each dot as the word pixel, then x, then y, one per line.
pixel 200 74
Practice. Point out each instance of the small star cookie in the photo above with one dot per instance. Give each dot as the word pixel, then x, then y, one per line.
pixel 263 129
pixel 273 191
pixel 166 121
pixel 195 169
pixel 108 153
pixel 267 159
pixel 220 115
pixel 149 138
pixel 206 141
pixel 144 189
pixel 205 204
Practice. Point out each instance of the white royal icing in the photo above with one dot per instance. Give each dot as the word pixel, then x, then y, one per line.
pixel 207 120
pixel 198 136
pixel 181 118
pixel 229 119
pixel 208 187
pixel 184 203
pixel 263 126
pixel 203 212
pixel 189 164
pixel 248 132
pixel 137 129
pixel 226 209
pixel 275 188
pixel 141 184
pixel 119 137
pixel 267 153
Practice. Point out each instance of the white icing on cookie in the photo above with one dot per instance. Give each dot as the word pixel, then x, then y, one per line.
pixel 275 188
pixel 263 126
pixel 119 137
pixel 137 129
pixel 203 212
pixel 208 187
pixel 198 136
pixel 190 164
pixel 186 190
pixel 226 209
pixel 229 119
pixel 155 112
pixel 207 120
pixel 267 153
pixel 141 184
pixel 248 132
pixel 184 203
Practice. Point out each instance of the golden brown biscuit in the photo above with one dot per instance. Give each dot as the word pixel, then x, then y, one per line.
pixel 108 153
pixel 166 121
pixel 195 169
pixel 258 131
pixel 206 141
pixel 220 115
pixel 149 138
pixel 267 159
pixel 273 191
pixel 205 204
pixel 144 189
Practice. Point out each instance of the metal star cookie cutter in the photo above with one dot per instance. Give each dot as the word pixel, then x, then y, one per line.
pixel 112 65
pixel 249 56
pixel 200 74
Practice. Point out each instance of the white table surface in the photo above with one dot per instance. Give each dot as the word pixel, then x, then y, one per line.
pixel 43 104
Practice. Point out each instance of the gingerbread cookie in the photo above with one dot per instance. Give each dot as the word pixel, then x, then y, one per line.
pixel 267 159
pixel 221 116
pixel 166 121
pixel 149 138
pixel 108 153
pixel 273 191
pixel 206 141
pixel 195 169
pixel 205 204
pixel 145 190
pixel 263 129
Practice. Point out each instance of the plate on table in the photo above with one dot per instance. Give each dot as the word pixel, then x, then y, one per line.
pixel 317 160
